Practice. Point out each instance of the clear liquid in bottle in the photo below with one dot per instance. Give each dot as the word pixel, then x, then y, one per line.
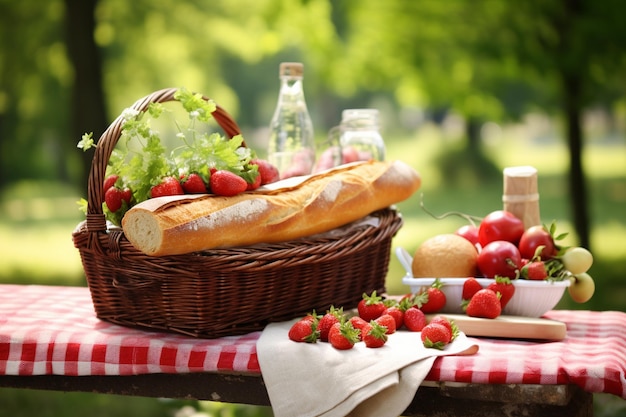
pixel 291 147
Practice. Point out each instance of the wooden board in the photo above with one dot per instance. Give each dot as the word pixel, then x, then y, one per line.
pixel 511 327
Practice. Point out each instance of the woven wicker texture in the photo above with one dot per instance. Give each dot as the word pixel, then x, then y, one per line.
pixel 231 291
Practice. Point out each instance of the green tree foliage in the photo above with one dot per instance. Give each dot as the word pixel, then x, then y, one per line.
pixel 495 60
pixel 200 44
pixel 35 76
pixel 488 60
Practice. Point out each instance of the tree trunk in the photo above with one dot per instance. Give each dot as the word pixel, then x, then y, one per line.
pixel 573 84
pixel 577 184
pixel 88 113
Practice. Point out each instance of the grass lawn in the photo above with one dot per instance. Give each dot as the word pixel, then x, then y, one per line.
pixel 37 219
pixel 36 223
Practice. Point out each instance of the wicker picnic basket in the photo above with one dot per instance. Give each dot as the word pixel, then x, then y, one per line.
pixel 231 291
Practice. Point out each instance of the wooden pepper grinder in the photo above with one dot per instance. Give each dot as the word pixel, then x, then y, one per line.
pixel 521 194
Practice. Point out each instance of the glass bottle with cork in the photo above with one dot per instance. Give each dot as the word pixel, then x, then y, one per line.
pixel 291 146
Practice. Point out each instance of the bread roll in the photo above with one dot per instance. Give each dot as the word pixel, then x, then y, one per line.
pixel 317 204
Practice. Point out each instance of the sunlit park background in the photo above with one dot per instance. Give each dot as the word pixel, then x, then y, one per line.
pixel 465 89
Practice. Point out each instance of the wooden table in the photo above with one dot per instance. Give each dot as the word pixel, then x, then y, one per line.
pixel 445 398
pixel 50 339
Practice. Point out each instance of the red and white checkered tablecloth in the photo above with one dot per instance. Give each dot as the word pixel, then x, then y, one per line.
pixel 53 330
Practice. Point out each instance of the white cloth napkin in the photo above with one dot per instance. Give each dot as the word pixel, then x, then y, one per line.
pixel 306 380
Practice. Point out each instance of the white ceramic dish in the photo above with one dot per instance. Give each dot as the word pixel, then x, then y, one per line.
pixel 531 298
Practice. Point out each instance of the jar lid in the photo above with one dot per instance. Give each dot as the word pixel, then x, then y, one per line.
pixel 294 69
pixel 354 114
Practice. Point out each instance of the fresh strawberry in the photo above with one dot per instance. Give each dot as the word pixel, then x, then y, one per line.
pixel 470 287
pixel 414 319
pixel 435 336
pixel 436 298
pixel 327 321
pixel 343 336
pixel 226 183
pixel 397 313
pixel 127 195
pixel 193 184
pixel 254 185
pixel 388 321
pixel 109 182
pixel 167 186
pixel 269 173
pixel 535 270
pixel 485 304
pixel 304 330
pixel 113 199
pixel 449 324
pixel 375 335
pixel 505 287
pixel 371 307
pixel 115 196
pixel 358 323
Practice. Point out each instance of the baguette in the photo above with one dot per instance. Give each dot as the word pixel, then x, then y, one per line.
pixel 322 202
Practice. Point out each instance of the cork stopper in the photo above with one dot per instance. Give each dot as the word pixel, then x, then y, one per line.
pixel 521 194
pixel 293 69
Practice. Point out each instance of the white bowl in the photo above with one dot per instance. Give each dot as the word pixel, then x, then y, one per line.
pixel 531 298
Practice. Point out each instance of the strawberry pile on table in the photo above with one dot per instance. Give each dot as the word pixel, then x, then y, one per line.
pixel 376 319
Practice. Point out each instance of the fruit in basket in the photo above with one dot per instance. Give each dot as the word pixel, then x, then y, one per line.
pixel 500 225
pixel 251 186
pixel 115 197
pixel 499 258
pixel 484 304
pixel 193 184
pixel 267 171
pixel 168 186
pixel 109 182
pixel 226 183
pixel 140 158
pixel 582 287
pixel 445 255
pixel 577 260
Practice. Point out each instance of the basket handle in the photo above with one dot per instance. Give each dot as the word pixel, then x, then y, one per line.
pixel 96 220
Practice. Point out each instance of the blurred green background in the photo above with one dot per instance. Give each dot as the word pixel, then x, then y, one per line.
pixel 464 88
